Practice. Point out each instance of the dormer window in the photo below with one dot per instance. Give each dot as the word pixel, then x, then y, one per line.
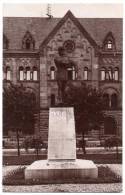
pixel 109 42
pixel 28 42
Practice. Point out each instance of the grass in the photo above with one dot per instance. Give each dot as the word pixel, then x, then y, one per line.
pixel 28 159
pixel 105 175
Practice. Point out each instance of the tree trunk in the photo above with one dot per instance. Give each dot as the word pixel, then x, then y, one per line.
pixel 18 143
pixel 83 143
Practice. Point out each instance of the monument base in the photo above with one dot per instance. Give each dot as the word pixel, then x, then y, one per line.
pixel 61 171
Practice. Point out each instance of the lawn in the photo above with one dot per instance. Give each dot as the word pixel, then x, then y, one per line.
pixel 28 159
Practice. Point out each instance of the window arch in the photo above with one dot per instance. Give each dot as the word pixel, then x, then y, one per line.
pixel 21 73
pixel 116 74
pixel 5 42
pixel 8 73
pixel 86 73
pixel 52 73
pixel 71 73
pixel 110 74
pixel 35 73
pixel 106 100
pixel 28 41
pixel 114 101
pixel 28 74
pixel 109 42
pixel 103 74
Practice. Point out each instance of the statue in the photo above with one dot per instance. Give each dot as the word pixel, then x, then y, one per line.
pixel 62 63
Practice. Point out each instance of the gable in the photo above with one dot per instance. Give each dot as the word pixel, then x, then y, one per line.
pixel 69 28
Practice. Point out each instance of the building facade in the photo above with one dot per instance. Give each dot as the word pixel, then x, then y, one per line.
pixel 94 45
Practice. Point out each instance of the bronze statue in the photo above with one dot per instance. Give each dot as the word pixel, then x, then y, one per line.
pixel 62 63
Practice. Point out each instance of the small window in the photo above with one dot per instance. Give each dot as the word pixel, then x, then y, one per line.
pixel 8 74
pixel 21 73
pixel 71 73
pixel 86 73
pixel 35 74
pixel 28 42
pixel 116 74
pixel 103 74
pixel 109 44
pixel 110 74
pixel 28 76
pixel 52 73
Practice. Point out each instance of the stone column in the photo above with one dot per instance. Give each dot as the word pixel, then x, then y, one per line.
pixel 94 69
pixel 15 71
pixel 43 83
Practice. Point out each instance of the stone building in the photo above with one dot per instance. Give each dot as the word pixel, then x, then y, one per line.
pixel 94 45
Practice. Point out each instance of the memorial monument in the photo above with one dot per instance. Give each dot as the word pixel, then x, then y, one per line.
pixel 61 165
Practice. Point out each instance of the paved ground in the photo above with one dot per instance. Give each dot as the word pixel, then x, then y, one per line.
pixel 117 187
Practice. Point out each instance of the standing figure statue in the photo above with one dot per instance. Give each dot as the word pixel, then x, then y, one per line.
pixel 62 63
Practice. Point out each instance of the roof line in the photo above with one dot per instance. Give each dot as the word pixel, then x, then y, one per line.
pixel 61 22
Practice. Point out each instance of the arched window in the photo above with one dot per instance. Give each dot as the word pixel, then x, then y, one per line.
pixel 52 99
pixel 35 74
pixel 114 101
pixel 52 73
pixel 71 73
pixel 110 74
pixel 103 74
pixel 86 71
pixel 28 41
pixel 28 76
pixel 8 73
pixel 21 73
pixel 116 74
pixel 106 100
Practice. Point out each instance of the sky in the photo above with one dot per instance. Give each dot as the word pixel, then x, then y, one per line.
pixel 59 10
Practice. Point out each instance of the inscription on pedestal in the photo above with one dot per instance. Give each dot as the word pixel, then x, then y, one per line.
pixel 61 140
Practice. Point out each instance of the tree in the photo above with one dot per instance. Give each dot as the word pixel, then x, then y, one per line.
pixel 18 109
pixel 88 108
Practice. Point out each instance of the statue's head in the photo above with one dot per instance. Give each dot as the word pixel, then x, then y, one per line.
pixel 61 51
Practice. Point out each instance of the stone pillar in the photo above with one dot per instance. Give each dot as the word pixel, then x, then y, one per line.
pixel 15 71
pixel 43 83
pixel 95 69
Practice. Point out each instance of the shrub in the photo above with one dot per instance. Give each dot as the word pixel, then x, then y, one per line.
pixel 34 142
pixel 112 142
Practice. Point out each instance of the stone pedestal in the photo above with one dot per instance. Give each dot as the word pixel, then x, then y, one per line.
pixel 61 139
pixel 62 165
